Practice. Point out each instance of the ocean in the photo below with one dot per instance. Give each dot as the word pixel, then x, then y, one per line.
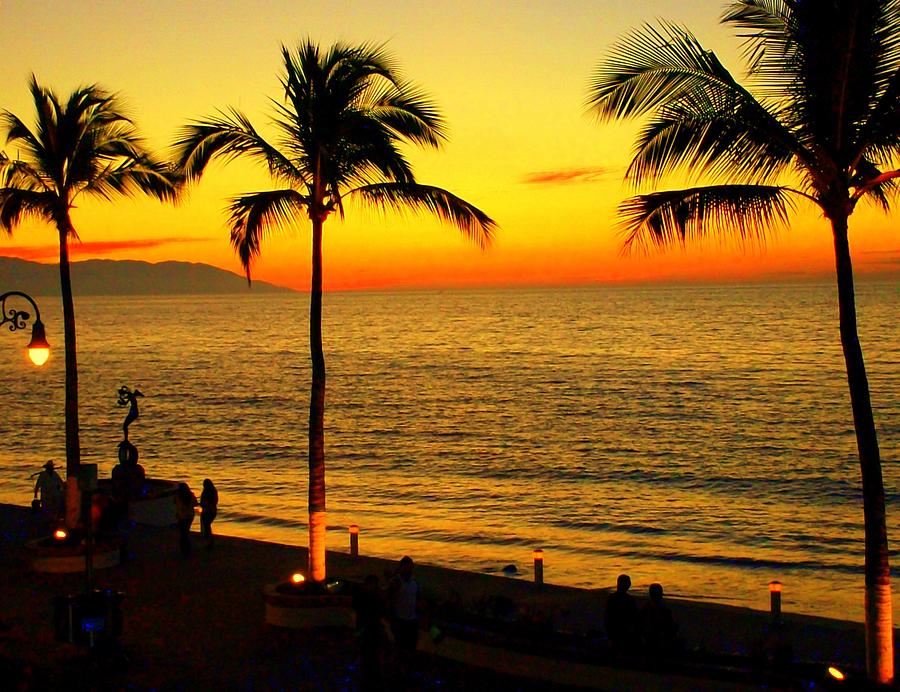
pixel 698 436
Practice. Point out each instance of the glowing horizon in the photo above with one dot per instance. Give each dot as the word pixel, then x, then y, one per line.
pixel 511 82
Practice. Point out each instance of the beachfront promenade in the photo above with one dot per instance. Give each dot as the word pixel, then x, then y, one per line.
pixel 197 622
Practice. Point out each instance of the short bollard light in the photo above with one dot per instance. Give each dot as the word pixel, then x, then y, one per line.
pixel 538 567
pixel 354 540
pixel 775 601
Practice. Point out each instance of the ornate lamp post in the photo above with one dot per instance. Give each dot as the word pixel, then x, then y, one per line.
pixel 38 348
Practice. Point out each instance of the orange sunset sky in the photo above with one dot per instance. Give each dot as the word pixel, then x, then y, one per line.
pixel 511 78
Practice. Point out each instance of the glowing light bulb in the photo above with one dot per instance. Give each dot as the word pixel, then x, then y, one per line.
pixel 60 534
pixel 39 356
pixel 835 673
pixel 297 578
pixel 38 348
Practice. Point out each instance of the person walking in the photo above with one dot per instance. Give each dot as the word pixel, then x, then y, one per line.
pixel 50 488
pixel 209 507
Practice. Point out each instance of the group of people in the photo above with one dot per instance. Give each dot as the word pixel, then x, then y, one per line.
pixel 185 502
pixel 387 616
pixel 630 629
pixel 49 500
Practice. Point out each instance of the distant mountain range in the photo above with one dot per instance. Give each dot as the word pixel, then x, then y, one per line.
pixel 125 277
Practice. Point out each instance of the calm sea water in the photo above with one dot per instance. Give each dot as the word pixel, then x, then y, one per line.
pixel 697 436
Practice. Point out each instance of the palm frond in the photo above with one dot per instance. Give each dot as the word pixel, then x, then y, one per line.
pixel 736 137
pixel 770 47
pixel 228 137
pixel 474 223
pixel 17 205
pixel 674 217
pixel 20 175
pixel 409 114
pixel 254 215
pixel 652 68
pixel 143 174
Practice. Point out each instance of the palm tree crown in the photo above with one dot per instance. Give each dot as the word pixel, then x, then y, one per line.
pixel 83 146
pixel 340 127
pixel 821 124
pixel 344 117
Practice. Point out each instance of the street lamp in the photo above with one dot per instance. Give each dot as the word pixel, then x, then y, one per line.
pixel 38 348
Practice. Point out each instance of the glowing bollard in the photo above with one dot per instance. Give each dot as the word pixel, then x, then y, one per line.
pixel 775 601
pixel 354 540
pixel 539 567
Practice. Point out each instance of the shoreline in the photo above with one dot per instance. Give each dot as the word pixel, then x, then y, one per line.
pixel 201 617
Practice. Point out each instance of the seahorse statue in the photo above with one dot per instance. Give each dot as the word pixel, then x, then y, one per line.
pixel 129 398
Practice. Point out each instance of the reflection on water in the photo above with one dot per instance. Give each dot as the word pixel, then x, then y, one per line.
pixel 697 436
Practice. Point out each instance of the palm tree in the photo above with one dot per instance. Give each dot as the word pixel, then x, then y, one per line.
pixel 344 115
pixel 821 125
pixel 84 146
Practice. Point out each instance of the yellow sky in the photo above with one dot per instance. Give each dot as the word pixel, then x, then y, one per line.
pixel 510 77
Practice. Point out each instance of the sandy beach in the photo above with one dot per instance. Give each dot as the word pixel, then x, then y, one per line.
pixel 198 622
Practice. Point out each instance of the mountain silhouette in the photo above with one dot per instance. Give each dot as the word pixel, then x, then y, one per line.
pixel 126 277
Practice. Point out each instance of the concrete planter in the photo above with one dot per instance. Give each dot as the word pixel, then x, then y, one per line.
pixel 51 556
pixel 289 607
pixel 155 506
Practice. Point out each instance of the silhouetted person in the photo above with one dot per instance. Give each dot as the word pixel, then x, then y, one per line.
pixel 50 487
pixel 404 598
pixel 370 614
pixel 209 507
pixel 621 616
pixel 404 595
pixel 185 501
pixel 658 627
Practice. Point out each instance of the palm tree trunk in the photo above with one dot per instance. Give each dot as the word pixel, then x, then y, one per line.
pixel 73 444
pixel 316 414
pixel 879 626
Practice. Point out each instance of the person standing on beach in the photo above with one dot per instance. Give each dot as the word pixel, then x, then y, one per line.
pixel 50 487
pixel 209 507
pixel 658 627
pixel 621 616
pixel 405 599
pixel 185 501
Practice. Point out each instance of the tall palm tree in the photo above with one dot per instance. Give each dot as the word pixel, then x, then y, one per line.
pixel 344 116
pixel 821 124
pixel 84 146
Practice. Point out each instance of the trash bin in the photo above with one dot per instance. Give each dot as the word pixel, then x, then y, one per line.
pixel 89 619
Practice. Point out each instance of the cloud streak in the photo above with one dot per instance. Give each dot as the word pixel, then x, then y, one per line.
pixel 566 176
pixel 881 258
pixel 38 253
